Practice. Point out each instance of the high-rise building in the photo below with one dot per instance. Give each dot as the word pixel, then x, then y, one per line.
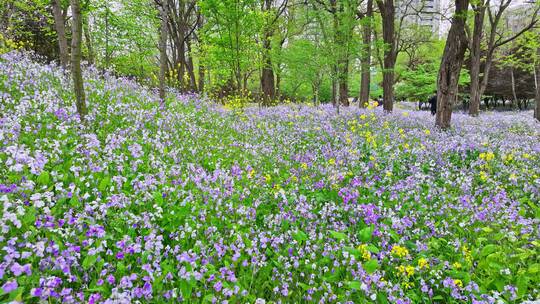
pixel 434 14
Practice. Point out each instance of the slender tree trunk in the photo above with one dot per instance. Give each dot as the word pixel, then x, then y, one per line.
pixel 388 15
pixel 190 67
pixel 513 83
pixel 452 60
pixel 474 106
pixel 61 33
pixel 163 48
pixel 485 76
pixel 334 86
pixel 76 53
pixel 537 78
pixel 366 60
pixel 201 76
pixel 344 83
pixel 315 88
pixel 267 76
pixel 88 40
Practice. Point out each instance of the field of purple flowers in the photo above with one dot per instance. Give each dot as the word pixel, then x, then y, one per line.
pixel 191 202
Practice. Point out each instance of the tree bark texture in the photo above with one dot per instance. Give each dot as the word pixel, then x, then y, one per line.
pixel 388 16
pixel 59 24
pixel 76 53
pixel 366 58
pixel 163 48
pixel 537 69
pixel 452 60
pixel 475 51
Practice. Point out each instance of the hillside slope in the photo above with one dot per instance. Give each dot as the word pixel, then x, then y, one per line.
pixel 189 202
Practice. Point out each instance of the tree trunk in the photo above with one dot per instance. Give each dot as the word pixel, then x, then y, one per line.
pixel 267 76
pixel 61 33
pixel 344 83
pixel 88 40
pixel 474 106
pixel 190 67
pixel 366 60
pixel 537 78
pixel 452 60
pixel 163 48
pixel 513 83
pixel 388 15
pixel 76 53
pixel 201 76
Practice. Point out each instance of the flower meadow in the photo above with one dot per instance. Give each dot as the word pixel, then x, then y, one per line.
pixel 191 202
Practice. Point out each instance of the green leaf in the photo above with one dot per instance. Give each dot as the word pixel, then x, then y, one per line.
pixel 43 178
pixel 89 261
pixel 186 289
pixel 354 285
pixel 158 197
pixel 304 286
pixel 534 268
pixel 365 234
pixel 373 249
pixel 300 236
pixel 105 182
pixel 488 249
pixel 371 265
pixel 208 298
pixel 338 235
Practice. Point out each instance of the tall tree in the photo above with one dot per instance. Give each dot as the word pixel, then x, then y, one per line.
pixel 451 63
pixel 76 53
pixel 494 40
pixel 479 9
pixel 163 13
pixel 88 39
pixel 271 13
pixel 60 26
pixel 388 13
pixel 537 83
pixel 365 81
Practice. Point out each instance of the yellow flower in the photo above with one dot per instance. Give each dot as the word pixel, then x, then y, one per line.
pixel 487 156
pixel 483 176
pixel 458 283
pixel 405 114
pixel 400 251
pixel 427 132
pixel 332 161
pixel 250 173
pixel 456 265
pixel 408 285
pixel 410 270
pixel 366 255
pixel 363 116
pixel 423 263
